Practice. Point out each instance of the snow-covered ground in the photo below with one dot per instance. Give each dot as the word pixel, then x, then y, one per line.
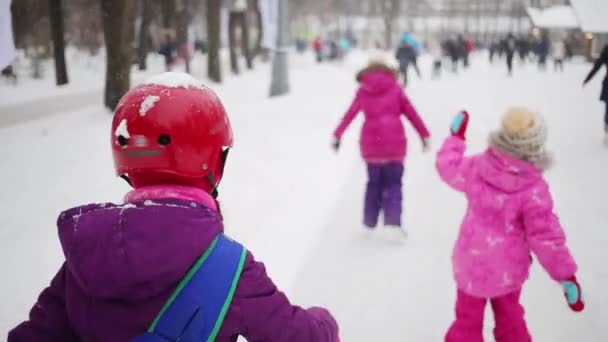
pixel 297 205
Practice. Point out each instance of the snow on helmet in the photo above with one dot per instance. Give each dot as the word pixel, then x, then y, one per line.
pixel 171 129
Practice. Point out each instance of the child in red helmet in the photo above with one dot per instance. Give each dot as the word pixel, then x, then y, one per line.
pixel 134 271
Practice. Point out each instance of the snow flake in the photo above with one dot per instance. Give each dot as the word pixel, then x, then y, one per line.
pixel 492 241
pixel 500 199
pixel 122 129
pixel 536 197
pixel 507 279
pixel 514 169
pixel 147 104
pixel 550 244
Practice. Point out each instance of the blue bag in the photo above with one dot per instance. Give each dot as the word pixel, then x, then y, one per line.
pixel 197 308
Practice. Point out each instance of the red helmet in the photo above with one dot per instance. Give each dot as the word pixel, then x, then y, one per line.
pixel 171 130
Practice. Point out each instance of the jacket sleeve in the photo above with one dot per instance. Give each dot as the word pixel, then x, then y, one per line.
pixel 48 321
pixel 348 118
pixel 453 167
pixel 267 315
pixel 545 234
pixel 598 64
pixel 411 114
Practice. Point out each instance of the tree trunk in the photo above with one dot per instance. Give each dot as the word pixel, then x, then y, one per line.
pixel 259 26
pixel 390 10
pixel 144 34
pixel 214 68
pixel 56 19
pixel 388 33
pixel 168 12
pixel 183 21
pixel 117 17
pixel 245 46
pixel 233 23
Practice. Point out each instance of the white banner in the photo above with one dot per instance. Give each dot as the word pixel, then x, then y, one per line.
pixel 270 21
pixel 7 44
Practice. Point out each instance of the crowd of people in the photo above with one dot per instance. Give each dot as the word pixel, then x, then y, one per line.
pixel 326 49
pixel 457 48
pixel 539 48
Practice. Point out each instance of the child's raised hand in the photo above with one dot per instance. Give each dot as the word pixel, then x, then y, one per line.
pixel 459 125
pixel 574 294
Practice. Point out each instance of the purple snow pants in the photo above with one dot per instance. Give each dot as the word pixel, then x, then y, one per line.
pixel 383 192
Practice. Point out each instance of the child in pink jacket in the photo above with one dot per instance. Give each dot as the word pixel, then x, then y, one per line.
pixel 383 142
pixel 509 215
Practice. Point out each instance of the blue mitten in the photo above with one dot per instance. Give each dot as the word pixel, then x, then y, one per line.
pixel 460 124
pixel 574 294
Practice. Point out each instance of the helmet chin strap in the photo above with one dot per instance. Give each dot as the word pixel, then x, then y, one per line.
pixel 126 178
pixel 223 158
pixel 210 177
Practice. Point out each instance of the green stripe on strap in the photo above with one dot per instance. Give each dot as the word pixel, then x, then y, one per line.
pixel 235 281
pixel 185 282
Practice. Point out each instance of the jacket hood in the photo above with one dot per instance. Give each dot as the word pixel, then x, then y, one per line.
pixel 376 82
pixel 507 173
pixel 135 251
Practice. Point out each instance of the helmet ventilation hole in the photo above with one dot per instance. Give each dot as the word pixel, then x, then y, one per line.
pixel 164 139
pixel 122 140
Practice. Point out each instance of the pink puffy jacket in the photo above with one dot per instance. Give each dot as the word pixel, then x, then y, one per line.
pixel 509 215
pixel 382 100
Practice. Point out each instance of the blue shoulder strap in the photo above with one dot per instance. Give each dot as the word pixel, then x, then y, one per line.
pixel 196 309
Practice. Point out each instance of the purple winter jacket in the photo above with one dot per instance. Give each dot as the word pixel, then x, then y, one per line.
pixel 124 261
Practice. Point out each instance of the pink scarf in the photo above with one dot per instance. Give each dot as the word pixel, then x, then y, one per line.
pixel 186 193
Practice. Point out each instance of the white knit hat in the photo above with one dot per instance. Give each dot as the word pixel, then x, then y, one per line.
pixel 523 134
pixel 378 60
pixel 377 56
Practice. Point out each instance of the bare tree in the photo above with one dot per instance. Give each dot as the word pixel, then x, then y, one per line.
pixel 56 16
pixel 214 67
pixel 255 7
pixel 389 9
pixel 144 33
pixel 234 20
pixel 168 13
pixel 245 42
pixel 238 23
pixel 117 17
pixel 183 21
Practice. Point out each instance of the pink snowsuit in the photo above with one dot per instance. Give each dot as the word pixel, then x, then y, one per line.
pixel 509 215
pixel 383 101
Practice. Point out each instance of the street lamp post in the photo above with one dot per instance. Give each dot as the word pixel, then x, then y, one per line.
pixel 280 77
